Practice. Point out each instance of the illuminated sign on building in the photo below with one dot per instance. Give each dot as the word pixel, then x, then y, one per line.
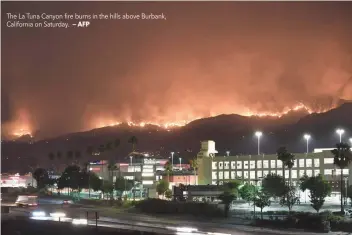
pixel 149 161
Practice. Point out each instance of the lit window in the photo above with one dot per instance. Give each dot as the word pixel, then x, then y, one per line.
pixel 295 163
pixel 316 162
pixel 328 161
pixel 287 174
pixel 309 173
pixel 214 182
pixel 226 165
pixel 259 174
pixel 239 165
pixel 316 172
pixel 272 163
pixel 214 165
pixel 147 182
pixel 309 163
pixel 245 165
pixel 233 174
pixel 279 172
pixel 214 175
pixel 265 164
pixel 265 173
pixel 226 175
pixel 279 164
pixel 147 174
pixel 328 172
pixel 252 165
pixel 345 171
pixel 233 165
pixel 239 174
pixel 221 165
pixel 301 163
pixel 301 173
pixel 252 174
pixel 338 171
pixel 221 175
pixel 259 164
pixel 245 174
pixel 294 174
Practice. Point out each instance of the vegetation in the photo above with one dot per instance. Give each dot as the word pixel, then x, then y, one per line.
pixel 42 177
pixel 349 193
pixel 287 160
pixel 229 195
pixel 247 192
pixel 133 141
pixel 342 158
pixel 289 197
pixel 122 185
pixel 274 185
pixel 194 165
pixel 318 188
pixel 262 200
pixel 168 194
pixel 162 187
pixel 168 169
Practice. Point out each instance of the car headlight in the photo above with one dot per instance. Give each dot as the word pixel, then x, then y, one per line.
pixel 38 214
pixel 57 214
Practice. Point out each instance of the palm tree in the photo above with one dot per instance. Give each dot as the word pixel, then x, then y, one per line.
pixel 194 165
pixel 77 156
pixel 69 156
pixel 133 140
pixel 168 169
pixel 342 158
pixel 287 159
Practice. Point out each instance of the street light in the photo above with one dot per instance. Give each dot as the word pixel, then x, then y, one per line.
pixel 340 133
pixel 180 163
pixel 307 137
pixel 228 153
pixel 258 134
pixel 172 160
pixel 350 140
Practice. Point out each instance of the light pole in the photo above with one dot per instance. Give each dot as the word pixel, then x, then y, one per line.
pixel 307 137
pixel 89 181
pixel 340 133
pixel 180 163
pixel 346 178
pixel 172 160
pixel 228 153
pixel 258 134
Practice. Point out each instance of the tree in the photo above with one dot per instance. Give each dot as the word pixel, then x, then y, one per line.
pixel 262 200
pixel 194 165
pixel 168 169
pixel 319 190
pixel 161 187
pixel 349 193
pixel 228 196
pixel 274 185
pixel 94 182
pixel 342 158
pixel 42 177
pixel 111 168
pixel 108 188
pixel 69 156
pixel 122 185
pixel 71 178
pixel 287 159
pixel 289 197
pixel 108 146
pixel 77 156
pixel 247 192
pixel 134 141
pixel 168 194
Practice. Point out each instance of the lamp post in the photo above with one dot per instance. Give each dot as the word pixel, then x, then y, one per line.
pixel 89 181
pixel 346 178
pixel 180 163
pixel 172 160
pixel 228 153
pixel 258 134
pixel 340 133
pixel 307 137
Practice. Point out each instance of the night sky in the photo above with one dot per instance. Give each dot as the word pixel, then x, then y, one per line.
pixel 207 58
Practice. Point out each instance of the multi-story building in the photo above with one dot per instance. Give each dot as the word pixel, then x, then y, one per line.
pixel 215 170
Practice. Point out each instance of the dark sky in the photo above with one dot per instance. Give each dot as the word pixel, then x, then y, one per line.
pixel 206 58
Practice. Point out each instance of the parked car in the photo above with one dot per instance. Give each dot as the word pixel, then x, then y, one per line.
pixel 26 201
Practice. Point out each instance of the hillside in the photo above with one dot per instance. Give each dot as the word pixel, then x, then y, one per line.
pixel 230 132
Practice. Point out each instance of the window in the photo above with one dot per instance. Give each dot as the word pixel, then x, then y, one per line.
pixel 345 171
pixel 251 164
pixel 273 164
pixel 287 174
pixel 328 161
pixel 265 164
pixel 309 162
pixel 226 175
pixel 294 174
pixel 252 174
pixel 316 172
pixel 214 175
pixel 309 173
pixel 259 174
pixel 279 172
pixel 221 165
pixel 316 162
pixel 245 165
pixel 233 174
pixel 338 171
pixel 246 174
pixel 221 175
pixel 226 165
pixel 214 182
pixel 301 173
pixel 328 172
pixel 295 163
pixel 233 165
pixel 239 165
pixel 301 163
pixel 214 165
pixel 265 173
pixel 259 164
pixel 279 164
pixel 239 174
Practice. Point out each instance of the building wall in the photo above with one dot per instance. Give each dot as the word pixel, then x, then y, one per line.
pixel 252 168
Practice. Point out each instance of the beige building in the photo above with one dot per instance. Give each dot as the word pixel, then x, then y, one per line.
pixel 214 169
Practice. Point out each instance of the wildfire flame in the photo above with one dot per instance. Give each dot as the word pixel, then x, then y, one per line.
pixel 22 132
pixel 169 125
